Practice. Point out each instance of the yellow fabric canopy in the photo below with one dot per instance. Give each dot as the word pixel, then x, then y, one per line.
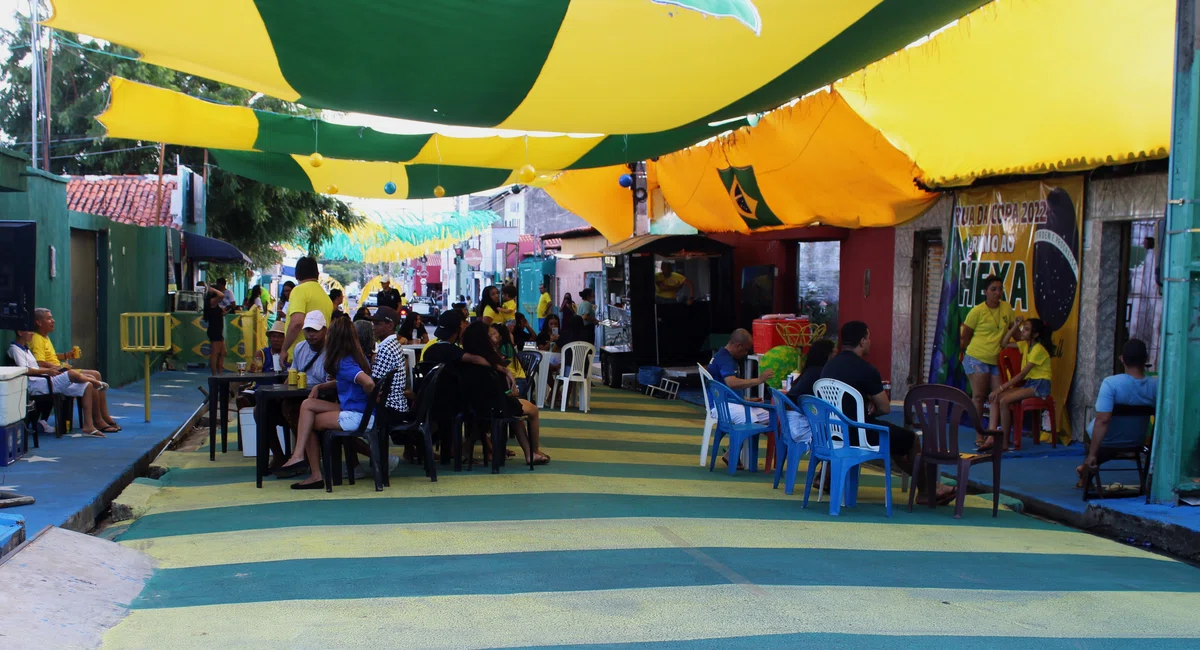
pixel 1027 87
pixel 597 196
pixel 813 162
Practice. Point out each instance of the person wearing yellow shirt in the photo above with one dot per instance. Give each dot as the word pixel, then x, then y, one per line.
pixel 543 306
pixel 307 296
pixel 488 309
pixel 1033 340
pixel 508 308
pixel 667 284
pixel 47 357
pixel 979 345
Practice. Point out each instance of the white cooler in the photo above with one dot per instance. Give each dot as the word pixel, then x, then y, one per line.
pixel 13 399
pixel 248 432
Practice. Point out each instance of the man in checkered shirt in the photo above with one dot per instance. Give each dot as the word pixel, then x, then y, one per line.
pixel 389 356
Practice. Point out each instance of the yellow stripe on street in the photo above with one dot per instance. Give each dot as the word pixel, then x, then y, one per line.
pixel 662 614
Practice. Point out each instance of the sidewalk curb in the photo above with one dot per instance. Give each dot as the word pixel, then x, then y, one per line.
pixel 84 520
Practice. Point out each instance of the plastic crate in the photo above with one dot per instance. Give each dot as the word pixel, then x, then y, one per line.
pixel 12 442
pixel 13 399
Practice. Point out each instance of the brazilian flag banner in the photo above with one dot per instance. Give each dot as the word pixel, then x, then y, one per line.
pixel 742 185
pixel 1029 235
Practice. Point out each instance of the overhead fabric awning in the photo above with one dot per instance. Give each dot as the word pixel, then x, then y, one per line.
pixel 814 162
pixel 360 178
pixel 206 249
pixel 597 196
pixel 1027 88
pixel 548 65
pixel 138 111
pixel 397 238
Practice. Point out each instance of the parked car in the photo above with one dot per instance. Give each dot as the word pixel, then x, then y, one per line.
pixel 428 310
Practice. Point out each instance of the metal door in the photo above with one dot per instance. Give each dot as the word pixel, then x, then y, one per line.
pixel 85 305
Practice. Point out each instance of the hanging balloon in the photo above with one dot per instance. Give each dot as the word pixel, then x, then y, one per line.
pixel 526 174
pixel 332 189
pixel 625 180
pixel 316 159
pixel 439 191
pixel 389 188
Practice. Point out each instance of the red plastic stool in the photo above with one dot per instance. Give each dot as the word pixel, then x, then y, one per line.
pixel 1036 405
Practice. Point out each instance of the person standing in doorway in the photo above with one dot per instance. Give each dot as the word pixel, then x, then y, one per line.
pixel 308 296
pixel 543 306
pixel 979 345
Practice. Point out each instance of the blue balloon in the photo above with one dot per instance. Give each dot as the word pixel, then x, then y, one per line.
pixel 626 180
pixel 389 188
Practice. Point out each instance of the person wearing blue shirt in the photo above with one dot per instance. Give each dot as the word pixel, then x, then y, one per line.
pixel 1130 388
pixel 725 367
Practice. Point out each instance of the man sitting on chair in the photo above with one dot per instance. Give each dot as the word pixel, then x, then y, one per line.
pixel 1130 388
pixel 726 367
pixel 851 368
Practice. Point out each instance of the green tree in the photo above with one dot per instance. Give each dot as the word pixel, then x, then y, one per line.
pixel 250 215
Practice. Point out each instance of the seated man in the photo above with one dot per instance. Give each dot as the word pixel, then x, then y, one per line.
pixel 726 368
pixel 849 367
pixel 63 382
pixel 308 357
pixel 1130 388
pixel 43 350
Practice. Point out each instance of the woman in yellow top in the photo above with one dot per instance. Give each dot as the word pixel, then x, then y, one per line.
pixel 979 342
pixel 1036 350
pixel 502 340
pixel 488 309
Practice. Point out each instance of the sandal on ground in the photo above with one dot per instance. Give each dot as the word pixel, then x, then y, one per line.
pixel 315 485
pixel 725 459
pixel 985 447
pixel 94 433
pixel 947 498
pixel 110 429
pixel 508 453
pixel 540 459
pixel 115 427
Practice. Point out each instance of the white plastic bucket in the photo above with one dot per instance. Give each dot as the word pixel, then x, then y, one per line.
pixel 248 432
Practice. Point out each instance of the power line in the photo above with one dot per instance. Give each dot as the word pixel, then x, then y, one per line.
pixel 86 154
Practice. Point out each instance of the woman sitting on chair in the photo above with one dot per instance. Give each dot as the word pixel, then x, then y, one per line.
pixel 502 339
pixel 344 360
pixel 1033 340
pixel 490 392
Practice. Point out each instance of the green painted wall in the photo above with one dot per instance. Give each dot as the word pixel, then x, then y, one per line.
pixel 133 280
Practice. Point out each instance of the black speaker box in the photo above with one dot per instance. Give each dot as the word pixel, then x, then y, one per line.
pixel 18 264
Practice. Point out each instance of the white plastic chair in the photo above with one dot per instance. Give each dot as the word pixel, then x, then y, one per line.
pixel 668 387
pixel 832 392
pixel 580 372
pixel 710 420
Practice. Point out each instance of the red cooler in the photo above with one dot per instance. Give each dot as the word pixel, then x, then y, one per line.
pixel 766 331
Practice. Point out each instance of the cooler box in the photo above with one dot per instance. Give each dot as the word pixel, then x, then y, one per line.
pixel 12 442
pixel 766 334
pixel 13 400
pixel 248 433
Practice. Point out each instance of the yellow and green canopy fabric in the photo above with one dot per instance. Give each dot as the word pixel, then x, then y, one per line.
pixel 568 66
pixel 1027 88
pixel 138 111
pixel 401 237
pixel 814 162
pixel 596 195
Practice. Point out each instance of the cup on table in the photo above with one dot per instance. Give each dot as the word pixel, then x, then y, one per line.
pixel 292 376
pixel 301 380
pixel 241 366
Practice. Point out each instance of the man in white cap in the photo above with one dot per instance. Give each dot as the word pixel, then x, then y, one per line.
pixel 308 358
pixel 387 296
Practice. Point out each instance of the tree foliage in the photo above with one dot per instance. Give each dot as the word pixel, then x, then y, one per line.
pixel 250 215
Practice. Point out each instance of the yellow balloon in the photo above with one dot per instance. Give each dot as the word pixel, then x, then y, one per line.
pixel 439 191
pixel 526 174
pixel 332 189
pixel 316 159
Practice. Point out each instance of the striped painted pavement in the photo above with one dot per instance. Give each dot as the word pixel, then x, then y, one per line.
pixel 622 541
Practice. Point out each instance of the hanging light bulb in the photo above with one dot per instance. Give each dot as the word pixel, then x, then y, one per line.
pixel 332 189
pixel 389 188
pixel 316 159
pixel 526 174
pixel 439 191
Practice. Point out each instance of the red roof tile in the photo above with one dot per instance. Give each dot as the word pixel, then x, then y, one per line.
pixel 123 199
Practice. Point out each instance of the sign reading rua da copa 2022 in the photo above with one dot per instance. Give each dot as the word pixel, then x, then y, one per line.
pixel 1029 235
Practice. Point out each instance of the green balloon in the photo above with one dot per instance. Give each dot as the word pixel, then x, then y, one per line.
pixel 782 360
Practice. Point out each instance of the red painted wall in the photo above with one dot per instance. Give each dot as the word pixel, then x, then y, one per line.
pixel 871 249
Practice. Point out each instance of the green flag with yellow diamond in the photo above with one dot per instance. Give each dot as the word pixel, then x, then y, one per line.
pixel 742 185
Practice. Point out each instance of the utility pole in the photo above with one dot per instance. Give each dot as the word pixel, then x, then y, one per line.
pixel 1175 459
pixel 34 73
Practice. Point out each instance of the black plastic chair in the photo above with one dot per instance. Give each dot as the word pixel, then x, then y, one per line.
pixel 938 411
pixel 331 453
pixel 467 429
pixel 1125 440
pixel 531 362
pixel 421 425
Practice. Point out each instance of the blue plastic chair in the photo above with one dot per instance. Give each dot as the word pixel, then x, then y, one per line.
pixel 723 397
pixel 787 450
pixel 845 461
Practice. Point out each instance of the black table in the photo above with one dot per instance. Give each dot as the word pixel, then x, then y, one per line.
pixel 218 400
pixel 265 397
